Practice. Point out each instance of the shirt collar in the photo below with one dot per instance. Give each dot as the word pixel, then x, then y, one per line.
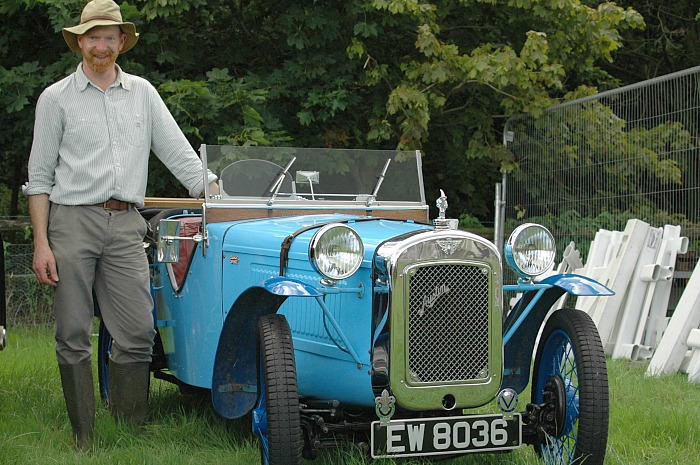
pixel 82 80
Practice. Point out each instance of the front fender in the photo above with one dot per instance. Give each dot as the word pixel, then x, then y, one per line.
pixel 578 285
pixel 520 336
pixel 234 388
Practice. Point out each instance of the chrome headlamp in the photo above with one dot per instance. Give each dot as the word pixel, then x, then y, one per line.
pixel 530 250
pixel 336 251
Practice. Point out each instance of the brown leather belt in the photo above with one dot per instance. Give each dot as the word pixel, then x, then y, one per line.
pixel 113 204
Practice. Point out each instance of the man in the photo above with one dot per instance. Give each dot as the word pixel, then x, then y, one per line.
pixel 88 167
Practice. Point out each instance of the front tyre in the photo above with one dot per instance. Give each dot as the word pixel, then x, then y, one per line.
pixel 570 377
pixel 276 419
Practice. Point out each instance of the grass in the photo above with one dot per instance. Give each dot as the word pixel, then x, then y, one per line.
pixel 653 421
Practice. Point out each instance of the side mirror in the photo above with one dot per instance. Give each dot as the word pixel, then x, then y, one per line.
pixel 307 177
pixel 168 241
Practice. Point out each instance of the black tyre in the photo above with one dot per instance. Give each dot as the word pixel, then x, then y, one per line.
pixel 276 420
pixel 570 376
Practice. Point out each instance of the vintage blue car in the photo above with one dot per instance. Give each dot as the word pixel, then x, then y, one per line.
pixel 312 296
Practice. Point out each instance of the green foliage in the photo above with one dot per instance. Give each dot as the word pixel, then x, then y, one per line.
pixel 520 68
pixel 19 84
pixel 5 195
pixel 165 8
pixel 436 76
pixel 669 42
pixel 467 221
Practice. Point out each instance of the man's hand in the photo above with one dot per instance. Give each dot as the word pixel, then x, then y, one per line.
pixel 44 262
pixel 214 188
pixel 44 266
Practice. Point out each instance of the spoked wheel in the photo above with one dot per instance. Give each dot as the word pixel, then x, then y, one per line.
pixel 276 420
pixel 104 349
pixel 571 378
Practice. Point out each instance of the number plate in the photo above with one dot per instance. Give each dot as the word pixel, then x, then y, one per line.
pixel 448 435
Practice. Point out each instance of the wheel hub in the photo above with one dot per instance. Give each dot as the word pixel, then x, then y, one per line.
pixel 552 419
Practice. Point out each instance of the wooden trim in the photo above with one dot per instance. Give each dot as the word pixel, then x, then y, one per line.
pixel 218 215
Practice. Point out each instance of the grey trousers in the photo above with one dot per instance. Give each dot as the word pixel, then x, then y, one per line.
pixel 102 250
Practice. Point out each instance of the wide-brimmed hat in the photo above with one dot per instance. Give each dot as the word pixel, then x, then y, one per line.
pixel 100 13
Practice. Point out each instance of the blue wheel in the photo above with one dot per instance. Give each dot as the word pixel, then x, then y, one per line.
pixel 570 379
pixel 276 419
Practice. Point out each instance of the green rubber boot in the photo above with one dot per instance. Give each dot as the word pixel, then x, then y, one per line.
pixel 79 393
pixel 128 391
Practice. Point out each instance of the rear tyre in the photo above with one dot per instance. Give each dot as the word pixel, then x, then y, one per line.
pixel 570 376
pixel 276 419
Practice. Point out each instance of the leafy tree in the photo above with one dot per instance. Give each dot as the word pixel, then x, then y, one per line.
pixel 440 76
pixel 669 43
pixel 26 67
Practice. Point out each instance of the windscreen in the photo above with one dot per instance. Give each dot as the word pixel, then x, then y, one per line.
pixel 284 175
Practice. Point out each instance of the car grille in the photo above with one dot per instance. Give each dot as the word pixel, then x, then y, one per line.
pixel 448 318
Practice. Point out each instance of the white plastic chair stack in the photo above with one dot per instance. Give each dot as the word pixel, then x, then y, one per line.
pixel 617 273
pixel 623 339
pixel 656 301
pixel 694 360
pixel 597 263
pixel 644 316
pixel 680 344
pixel 638 264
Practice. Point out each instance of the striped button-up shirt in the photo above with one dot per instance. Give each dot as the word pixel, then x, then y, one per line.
pixel 90 146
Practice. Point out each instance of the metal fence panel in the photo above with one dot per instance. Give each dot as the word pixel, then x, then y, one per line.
pixel 594 163
pixel 18 259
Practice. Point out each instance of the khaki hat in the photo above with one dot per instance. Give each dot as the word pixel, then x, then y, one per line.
pixel 100 13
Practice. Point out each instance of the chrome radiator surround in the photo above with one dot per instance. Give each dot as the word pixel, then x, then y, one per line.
pixel 446 316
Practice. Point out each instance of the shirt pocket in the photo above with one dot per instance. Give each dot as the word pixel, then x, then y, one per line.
pixel 84 134
pixel 135 131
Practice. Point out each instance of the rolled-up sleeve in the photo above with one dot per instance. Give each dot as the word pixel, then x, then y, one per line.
pixel 43 158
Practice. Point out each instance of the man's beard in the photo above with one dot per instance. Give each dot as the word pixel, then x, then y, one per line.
pixel 101 65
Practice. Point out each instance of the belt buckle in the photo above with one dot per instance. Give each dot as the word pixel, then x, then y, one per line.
pixel 107 205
